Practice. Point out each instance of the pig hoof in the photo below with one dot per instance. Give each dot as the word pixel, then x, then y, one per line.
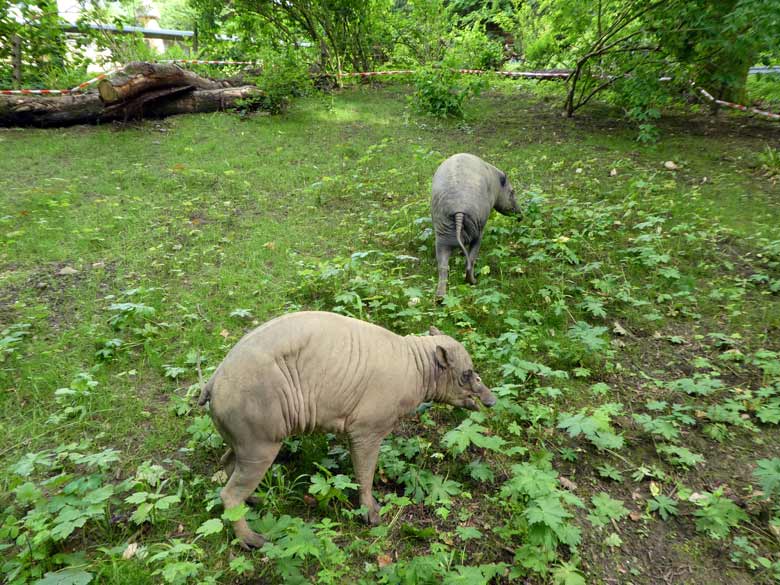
pixel 251 540
pixel 373 518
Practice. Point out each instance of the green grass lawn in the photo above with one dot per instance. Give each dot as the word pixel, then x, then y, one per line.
pixel 630 325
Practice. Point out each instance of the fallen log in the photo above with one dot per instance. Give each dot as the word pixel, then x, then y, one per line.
pixel 139 77
pixel 88 108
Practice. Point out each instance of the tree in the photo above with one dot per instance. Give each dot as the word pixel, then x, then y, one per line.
pixel 345 32
pixel 609 43
pixel 33 27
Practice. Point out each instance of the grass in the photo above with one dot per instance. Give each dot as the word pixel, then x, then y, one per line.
pixel 627 289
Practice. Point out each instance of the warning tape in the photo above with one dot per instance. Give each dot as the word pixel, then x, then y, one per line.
pixel 34 91
pixel 530 74
pixel 200 62
pixel 739 107
pixel 82 86
pixel 375 73
pixel 79 88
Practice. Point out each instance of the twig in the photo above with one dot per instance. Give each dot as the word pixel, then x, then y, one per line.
pixel 200 372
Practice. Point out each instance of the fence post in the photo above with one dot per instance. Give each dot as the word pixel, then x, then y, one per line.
pixel 195 39
pixel 16 58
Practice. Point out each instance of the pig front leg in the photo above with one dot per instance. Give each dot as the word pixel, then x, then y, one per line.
pixel 443 253
pixel 471 260
pixel 364 448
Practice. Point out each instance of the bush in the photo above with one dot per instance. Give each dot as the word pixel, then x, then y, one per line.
pixel 284 77
pixel 471 48
pixel 764 90
pixel 441 91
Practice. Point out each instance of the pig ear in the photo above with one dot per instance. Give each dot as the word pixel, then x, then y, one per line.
pixel 502 178
pixel 441 357
pixel 434 331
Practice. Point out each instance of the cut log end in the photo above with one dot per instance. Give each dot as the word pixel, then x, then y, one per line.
pixel 108 95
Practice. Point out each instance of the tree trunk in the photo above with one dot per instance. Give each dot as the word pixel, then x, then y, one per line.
pixel 137 78
pixel 48 111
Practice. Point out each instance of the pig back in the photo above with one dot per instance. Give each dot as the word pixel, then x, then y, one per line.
pixel 313 369
pixel 464 184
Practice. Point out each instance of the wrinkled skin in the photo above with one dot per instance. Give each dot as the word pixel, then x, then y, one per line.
pixel 465 190
pixel 316 371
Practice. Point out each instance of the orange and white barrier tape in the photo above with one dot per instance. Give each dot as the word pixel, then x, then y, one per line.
pixel 201 62
pixel 82 86
pixel 375 73
pixel 531 74
pixel 34 91
pixel 739 107
pixel 78 89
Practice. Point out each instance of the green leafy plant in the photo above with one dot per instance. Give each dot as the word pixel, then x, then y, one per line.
pixel 605 509
pixel 767 472
pixel 285 76
pixel 716 514
pixel 680 456
pixel 11 339
pixel 442 92
pixel 664 505
pixel 326 487
pixel 596 427
pixel 470 433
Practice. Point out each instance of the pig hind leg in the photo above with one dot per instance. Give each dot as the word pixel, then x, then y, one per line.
pixel 443 254
pixel 250 467
pixel 471 260
pixel 228 462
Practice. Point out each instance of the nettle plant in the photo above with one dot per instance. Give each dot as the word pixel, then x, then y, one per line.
pixel 132 322
pixel 69 490
pixel 11 340
pixel 57 492
pixel 539 516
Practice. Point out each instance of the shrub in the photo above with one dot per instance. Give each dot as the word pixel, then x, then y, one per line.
pixel 441 91
pixel 471 48
pixel 284 77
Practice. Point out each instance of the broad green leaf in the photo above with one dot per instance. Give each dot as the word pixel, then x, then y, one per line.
pixel 235 513
pixel 767 472
pixel 65 577
pixel 209 527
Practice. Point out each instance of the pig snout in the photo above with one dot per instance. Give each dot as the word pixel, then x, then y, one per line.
pixel 487 397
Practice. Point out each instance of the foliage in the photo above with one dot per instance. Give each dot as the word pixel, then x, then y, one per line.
pixel 36 25
pixel 717 515
pixel 11 339
pixel 50 57
pixel 627 46
pixel 606 509
pixel 596 427
pixel 538 509
pixel 635 309
pixel 343 32
pixel 284 77
pixel 767 473
pixel 664 505
pixel 75 493
pixel 442 92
